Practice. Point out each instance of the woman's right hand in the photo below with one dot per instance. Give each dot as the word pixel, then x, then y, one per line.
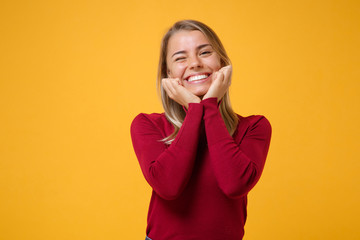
pixel 179 93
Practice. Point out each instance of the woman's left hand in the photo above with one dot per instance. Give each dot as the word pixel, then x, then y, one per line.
pixel 220 84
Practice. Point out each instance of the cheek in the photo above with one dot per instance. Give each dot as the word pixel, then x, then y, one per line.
pixel 177 71
pixel 214 63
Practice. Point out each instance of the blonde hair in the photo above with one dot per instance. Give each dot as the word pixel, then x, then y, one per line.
pixel 174 112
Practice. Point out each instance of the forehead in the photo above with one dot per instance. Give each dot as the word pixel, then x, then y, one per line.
pixel 185 40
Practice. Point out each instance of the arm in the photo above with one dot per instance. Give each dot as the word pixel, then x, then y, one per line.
pixel 237 164
pixel 167 168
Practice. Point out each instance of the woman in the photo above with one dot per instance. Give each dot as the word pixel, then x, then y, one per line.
pixel 199 157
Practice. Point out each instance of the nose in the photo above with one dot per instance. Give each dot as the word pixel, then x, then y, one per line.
pixel 195 62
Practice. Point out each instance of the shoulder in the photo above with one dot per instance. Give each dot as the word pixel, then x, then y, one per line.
pixel 254 120
pixel 254 125
pixel 148 117
pixel 152 120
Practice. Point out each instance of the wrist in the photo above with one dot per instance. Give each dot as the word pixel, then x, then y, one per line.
pixel 193 100
pixel 211 97
pixel 196 100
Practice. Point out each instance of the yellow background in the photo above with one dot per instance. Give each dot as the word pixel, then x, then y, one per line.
pixel 73 75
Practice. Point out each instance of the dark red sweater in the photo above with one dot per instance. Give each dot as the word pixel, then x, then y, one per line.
pixel 200 182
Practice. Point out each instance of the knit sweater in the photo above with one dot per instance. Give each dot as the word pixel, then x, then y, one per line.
pixel 201 180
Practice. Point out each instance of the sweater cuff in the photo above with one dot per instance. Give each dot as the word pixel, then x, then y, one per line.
pixel 190 127
pixel 210 101
pixel 194 107
pixel 214 124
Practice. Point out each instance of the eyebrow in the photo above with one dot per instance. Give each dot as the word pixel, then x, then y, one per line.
pixel 197 48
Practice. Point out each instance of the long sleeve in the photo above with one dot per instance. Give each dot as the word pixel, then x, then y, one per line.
pixel 237 163
pixel 167 168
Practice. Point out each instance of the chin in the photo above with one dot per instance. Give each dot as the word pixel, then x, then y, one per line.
pixel 199 92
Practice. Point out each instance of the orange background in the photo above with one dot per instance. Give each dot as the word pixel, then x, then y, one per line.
pixel 73 75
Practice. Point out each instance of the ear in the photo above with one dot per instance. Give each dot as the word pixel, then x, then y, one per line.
pixel 169 73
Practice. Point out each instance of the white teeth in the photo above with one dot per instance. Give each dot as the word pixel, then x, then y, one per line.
pixel 197 77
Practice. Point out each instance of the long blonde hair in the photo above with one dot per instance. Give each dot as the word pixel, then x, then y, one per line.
pixel 174 112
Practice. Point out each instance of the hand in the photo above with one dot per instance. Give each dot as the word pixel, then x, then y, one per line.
pixel 220 83
pixel 178 93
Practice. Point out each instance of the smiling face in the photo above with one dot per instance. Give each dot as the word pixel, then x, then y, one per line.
pixel 192 59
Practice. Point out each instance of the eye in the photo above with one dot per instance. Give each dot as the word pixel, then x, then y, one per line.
pixel 205 53
pixel 179 59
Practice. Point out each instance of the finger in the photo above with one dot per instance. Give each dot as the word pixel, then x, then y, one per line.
pixel 226 69
pixel 175 85
pixel 174 81
pixel 175 91
pixel 179 81
pixel 220 77
pixel 171 83
pixel 223 69
pixel 168 87
pixel 214 76
pixel 227 74
pixel 164 85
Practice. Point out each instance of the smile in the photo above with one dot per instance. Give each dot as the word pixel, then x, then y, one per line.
pixel 197 77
